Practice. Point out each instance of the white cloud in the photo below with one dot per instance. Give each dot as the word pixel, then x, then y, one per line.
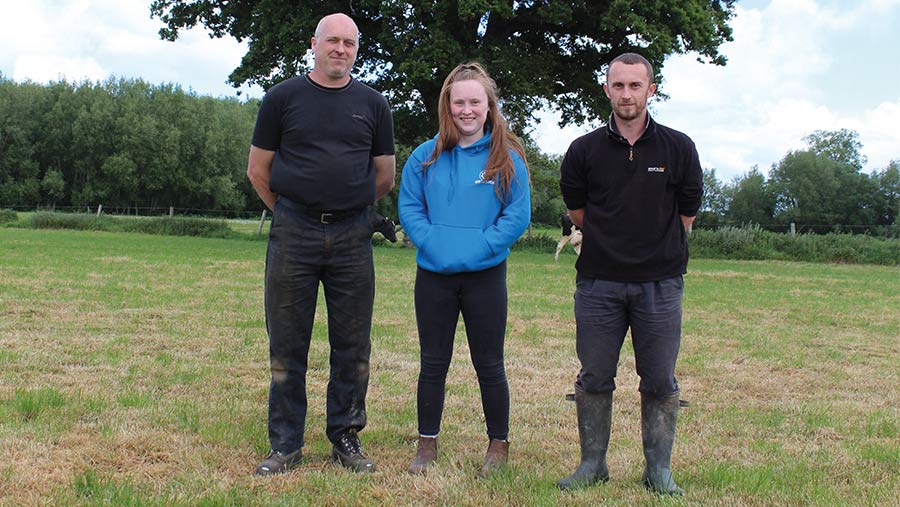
pixel 44 40
pixel 553 139
pixel 879 134
pixel 790 72
pixel 780 84
pixel 43 68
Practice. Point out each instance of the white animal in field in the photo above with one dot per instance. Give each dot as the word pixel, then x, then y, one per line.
pixel 571 235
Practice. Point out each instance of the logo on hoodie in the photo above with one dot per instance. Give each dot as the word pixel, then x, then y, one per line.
pixel 482 181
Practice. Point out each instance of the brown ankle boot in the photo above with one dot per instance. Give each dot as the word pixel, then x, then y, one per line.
pixel 426 455
pixel 496 457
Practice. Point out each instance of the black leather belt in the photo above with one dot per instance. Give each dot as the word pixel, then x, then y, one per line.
pixel 325 217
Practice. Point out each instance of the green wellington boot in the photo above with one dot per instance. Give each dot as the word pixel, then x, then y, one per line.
pixel 594 421
pixel 658 417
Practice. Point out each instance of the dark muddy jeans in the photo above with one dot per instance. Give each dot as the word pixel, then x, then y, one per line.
pixel 303 252
pixel 605 310
pixel 481 298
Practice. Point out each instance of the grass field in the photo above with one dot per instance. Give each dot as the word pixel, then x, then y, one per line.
pixel 134 371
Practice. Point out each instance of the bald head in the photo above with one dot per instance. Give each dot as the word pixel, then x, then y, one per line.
pixel 338 17
pixel 334 46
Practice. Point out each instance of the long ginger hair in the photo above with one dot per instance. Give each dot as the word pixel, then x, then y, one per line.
pixel 499 166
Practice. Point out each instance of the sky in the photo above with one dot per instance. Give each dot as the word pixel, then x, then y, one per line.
pixel 794 67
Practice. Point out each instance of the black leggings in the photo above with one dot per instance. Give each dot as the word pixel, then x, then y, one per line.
pixel 481 298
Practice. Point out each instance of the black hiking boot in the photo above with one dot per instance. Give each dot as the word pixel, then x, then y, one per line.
pixel 278 463
pixel 349 453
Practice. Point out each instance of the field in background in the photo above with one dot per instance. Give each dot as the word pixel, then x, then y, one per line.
pixel 133 371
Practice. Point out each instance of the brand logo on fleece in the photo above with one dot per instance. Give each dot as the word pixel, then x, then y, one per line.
pixel 482 181
pixel 656 169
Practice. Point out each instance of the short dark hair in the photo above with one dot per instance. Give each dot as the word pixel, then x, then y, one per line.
pixel 633 59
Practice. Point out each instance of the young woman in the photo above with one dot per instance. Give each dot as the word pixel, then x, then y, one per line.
pixel 464 200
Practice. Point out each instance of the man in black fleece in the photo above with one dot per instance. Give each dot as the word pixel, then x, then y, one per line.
pixel 634 188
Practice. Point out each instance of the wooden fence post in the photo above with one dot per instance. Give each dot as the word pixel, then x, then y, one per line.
pixel 793 229
pixel 262 220
pixel 99 210
pixel 171 211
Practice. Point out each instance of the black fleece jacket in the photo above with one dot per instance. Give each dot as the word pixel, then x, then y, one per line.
pixel 633 196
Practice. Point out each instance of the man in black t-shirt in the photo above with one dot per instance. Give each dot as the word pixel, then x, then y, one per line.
pixel 322 154
pixel 634 188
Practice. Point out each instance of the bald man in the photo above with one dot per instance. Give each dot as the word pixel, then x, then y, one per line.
pixel 322 154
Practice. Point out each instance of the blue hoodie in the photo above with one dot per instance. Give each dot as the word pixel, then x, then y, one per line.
pixel 455 219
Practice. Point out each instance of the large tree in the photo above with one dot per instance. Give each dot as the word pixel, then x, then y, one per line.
pixel 752 202
pixel 540 52
pixel 812 188
pixel 716 199
pixel 887 189
pixel 842 146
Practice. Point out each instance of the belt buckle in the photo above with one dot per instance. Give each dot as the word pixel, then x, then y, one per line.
pixel 325 217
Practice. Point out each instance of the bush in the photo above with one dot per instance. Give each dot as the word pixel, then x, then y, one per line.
pixel 743 243
pixel 753 243
pixel 549 213
pixel 8 216
pixel 49 220
pixel 177 226
pixel 843 248
pixel 536 243
pixel 172 226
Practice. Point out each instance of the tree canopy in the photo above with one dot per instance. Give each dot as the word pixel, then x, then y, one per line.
pixel 751 201
pixel 842 146
pixel 540 52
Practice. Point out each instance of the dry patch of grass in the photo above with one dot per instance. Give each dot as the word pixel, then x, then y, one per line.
pixel 134 371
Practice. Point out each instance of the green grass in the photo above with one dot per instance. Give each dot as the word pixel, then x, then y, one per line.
pixel 134 371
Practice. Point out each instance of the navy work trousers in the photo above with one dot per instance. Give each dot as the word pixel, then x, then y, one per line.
pixel 604 311
pixel 303 252
pixel 481 298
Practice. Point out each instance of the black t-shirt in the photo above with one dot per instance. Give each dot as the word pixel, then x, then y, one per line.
pixel 324 140
pixel 633 197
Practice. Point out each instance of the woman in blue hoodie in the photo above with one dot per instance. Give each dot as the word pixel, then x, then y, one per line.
pixel 464 200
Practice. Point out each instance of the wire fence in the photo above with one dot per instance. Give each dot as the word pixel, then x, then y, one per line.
pixel 891 231
pixel 148 211
pixel 794 228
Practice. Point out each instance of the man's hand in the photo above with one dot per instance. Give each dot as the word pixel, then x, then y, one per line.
pixel 577 217
pixel 259 169
pixel 688 223
pixel 385 170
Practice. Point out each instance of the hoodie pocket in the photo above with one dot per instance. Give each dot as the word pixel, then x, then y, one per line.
pixel 450 249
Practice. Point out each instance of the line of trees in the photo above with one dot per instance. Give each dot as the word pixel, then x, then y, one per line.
pixel 122 142
pixel 820 188
pixel 126 143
